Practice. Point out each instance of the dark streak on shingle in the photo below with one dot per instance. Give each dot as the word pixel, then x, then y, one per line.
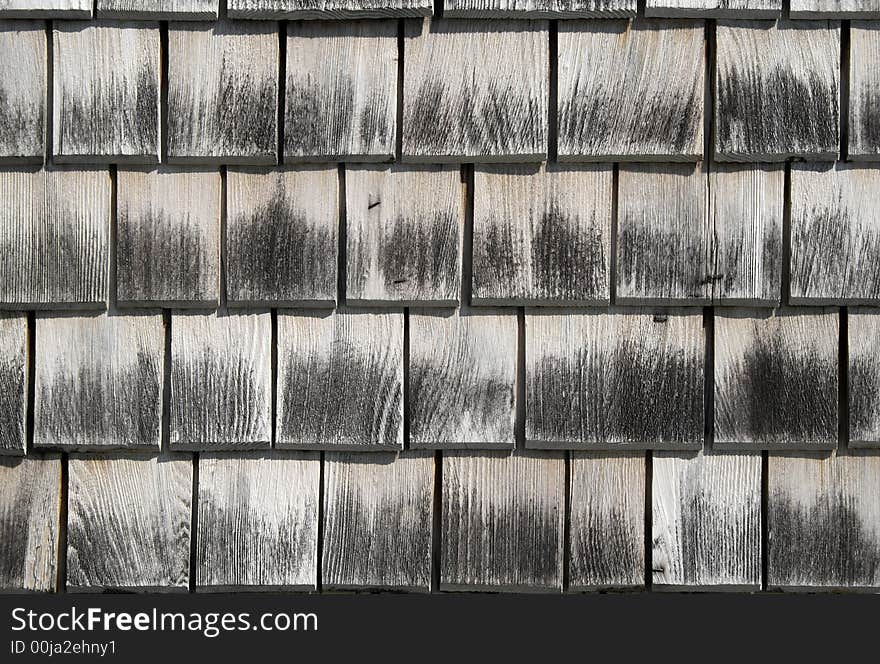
pixel 611 551
pixel 864 400
pixel 21 126
pixel 13 531
pixel 12 405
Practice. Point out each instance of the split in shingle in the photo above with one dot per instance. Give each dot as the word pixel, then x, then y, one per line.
pixel 378 514
pixel 664 240
pixel 822 516
pixel 542 234
pixel 54 235
pixel 341 91
pixel 30 496
pixel 223 92
pixel 168 238
pixel 777 88
pixel 22 90
pixel 776 379
pixel 539 8
pixel 611 380
pixel 864 91
pixel 502 521
pixel 281 236
pixel 462 374
pixel 631 90
pixel 98 381
pixel 340 380
pixel 404 234
pixel 745 216
pixel 714 8
pixel 258 521
pixel 64 9
pixel 128 522
pixel 864 377
pixel 475 91
pixel 177 10
pixel 607 521
pixel 835 9
pixel 13 383
pixel 105 92
pixel 221 381
pixel 327 9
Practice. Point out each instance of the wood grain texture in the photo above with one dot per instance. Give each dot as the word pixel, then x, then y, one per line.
pixel 30 496
pixel 539 8
pixel 664 239
pixel 340 380
pixel 105 92
pixel 258 521
pixel 607 521
pixel 13 383
pixel 221 381
pixel 631 90
pixel 168 238
pixel 54 236
pixel 462 376
pixel 706 511
pixel 66 9
pixel 714 8
pixel 178 10
pixel 340 91
pixel 327 9
pixel 475 91
pixel 822 516
pixel 777 88
pixel 864 91
pixel 282 236
pixel 22 90
pixel 378 513
pixel 128 522
pixel 600 380
pixel 776 379
pixel 863 328
pixel 98 381
pixel 542 234
pixel 835 234
pixel 223 92
pixel 403 235
pixel 745 215
pixel 502 521
pixel 835 9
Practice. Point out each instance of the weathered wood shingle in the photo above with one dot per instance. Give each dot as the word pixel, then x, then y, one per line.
pixel 64 9
pixel 22 90
pixel 13 383
pixel 475 91
pixel 542 234
pixel 327 9
pixel 864 90
pixel 539 8
pixel 403 234
pixel 714 8
pixel 864 377
pixel 835 9
pixel 178 10
pixel 631 90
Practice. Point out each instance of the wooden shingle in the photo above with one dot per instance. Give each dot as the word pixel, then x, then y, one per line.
pixel 22 90
pixel 13 383
pixel 631 90
pixel 221 381
pixel 767 9
pixel 864 90
pixel 327 9
pixel 105 92
pixel 542 234
pixel 341 91
pixel 403 234
pixel 98 381
pixel 607 527
pixel 378 513
pixel 177 10
pixel 777 89
pixel 54 237
pixel 128 522
pixel 835 9
pixel 475 91
pixel 223 92
pixel 168 238
pixel 539 8
pixel 664 240
pixel 282 236
pixel 258 521
pixel 30 497
pixel 462 375
pixel 64 9
pixel 340 380
pixel 706 521
pixel 502 525
pixel 822 516
pixel 864 377
pixel 776 379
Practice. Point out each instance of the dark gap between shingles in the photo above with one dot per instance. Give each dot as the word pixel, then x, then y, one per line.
pixel 765 527
pixel 649 525
pixel 709 379
pixel 437 522
pixel 48 129
pixel 843 381
pixel 612 263
pixel 844 89
pixel 31 382
pixel 61 559
pixel 223 212
pixel 406 346
pixel 343 239
pixel 194 525
pixel 786 235
pixel 566 525
pixel 467 239
pixel 519 426
pixel 319 583
pixel 165 433
pixel 273 442
pixel 114 221
pixel 438 8
pixel 552 102
pixel 398 131
pixel 282 87
pixel 163 91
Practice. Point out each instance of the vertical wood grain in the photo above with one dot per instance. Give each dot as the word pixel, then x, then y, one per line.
pixel 13 383
pixel 22 90
pixel 327 9
pixel 766 9
pixel 863 328
pixel 835 9
pixel 864 90
pixel 178 10
pixel 539 8
pixel 64 9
